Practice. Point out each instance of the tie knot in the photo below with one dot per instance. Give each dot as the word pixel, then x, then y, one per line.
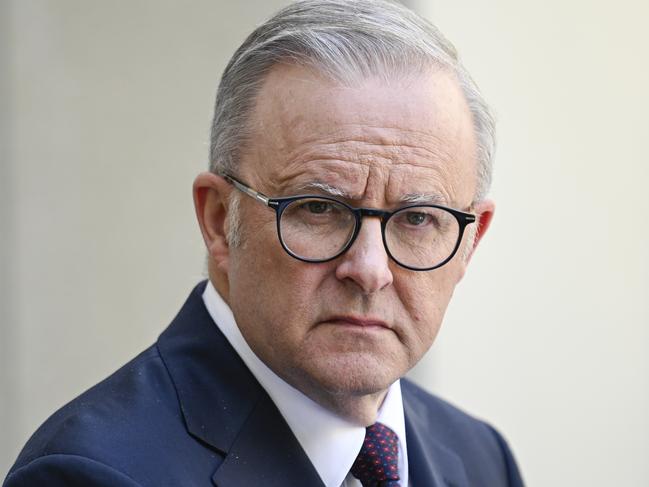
pixel 377 464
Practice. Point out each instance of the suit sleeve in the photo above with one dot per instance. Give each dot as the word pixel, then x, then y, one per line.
pixel 514 478
pixel 67 471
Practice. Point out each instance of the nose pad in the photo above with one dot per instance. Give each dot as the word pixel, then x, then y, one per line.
pixel 366 263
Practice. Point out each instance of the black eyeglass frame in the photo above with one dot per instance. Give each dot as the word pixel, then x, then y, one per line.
pixel 279 204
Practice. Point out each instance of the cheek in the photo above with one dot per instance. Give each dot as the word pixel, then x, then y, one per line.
pixel 275 295
pixel 426 299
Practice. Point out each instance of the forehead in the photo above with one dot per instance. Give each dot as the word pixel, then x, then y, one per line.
pixel 380 139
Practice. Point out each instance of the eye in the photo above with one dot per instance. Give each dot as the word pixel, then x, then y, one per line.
pixel 318 207
pixel 417 218
pixel 421 218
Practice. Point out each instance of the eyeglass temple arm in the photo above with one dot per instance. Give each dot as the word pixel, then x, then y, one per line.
pixel 249 191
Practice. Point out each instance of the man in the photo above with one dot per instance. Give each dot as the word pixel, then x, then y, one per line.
pixel 350 160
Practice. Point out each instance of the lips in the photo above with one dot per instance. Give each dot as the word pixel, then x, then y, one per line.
pixel 358 321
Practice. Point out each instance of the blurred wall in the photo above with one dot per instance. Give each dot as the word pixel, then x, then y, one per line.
pixel 8 435
pixel 104 124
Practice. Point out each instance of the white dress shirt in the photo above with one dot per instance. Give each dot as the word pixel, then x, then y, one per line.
pixel 330 442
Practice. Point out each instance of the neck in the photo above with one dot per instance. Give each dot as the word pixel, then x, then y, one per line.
pixel 360 410
pixel 220 282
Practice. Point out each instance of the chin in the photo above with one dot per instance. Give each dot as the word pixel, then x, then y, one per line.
pixel 355 374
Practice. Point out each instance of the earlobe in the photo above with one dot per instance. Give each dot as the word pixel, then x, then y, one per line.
pixel 211 193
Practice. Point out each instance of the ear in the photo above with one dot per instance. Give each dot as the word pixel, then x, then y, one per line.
pixel 484 212
pixel 211 197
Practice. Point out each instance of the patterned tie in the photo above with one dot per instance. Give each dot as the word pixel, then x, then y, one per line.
pixel 377 463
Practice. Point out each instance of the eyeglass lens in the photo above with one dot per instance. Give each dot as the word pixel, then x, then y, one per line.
pixel 316 229
pixel 422 236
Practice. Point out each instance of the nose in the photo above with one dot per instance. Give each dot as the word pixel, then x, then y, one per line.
pixel 366 263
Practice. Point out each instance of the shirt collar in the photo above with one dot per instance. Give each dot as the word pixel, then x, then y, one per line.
pixel 330 442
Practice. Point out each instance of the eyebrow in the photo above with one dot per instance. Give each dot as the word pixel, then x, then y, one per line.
pixel 407 199
pixel 325 188
pixel 424 198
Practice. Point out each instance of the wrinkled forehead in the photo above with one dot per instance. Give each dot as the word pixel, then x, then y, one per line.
pixel 402 130
pixel 301 99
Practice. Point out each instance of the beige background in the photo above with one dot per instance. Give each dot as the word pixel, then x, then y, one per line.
pixel 104 115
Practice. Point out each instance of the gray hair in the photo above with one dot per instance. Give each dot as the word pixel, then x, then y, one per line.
pixel 344 40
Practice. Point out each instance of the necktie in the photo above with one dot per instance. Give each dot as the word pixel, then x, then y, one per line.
pixel 377 463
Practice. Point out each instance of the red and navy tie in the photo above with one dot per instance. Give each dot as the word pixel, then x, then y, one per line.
pixel 377 463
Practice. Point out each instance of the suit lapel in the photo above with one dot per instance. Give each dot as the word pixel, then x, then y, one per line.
pixel 429 462
pixel 224 406
pixel 266 453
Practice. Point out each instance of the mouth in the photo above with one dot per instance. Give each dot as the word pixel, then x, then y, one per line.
pixel 358 322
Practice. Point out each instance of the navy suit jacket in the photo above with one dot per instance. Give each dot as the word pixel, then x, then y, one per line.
pixel 187 412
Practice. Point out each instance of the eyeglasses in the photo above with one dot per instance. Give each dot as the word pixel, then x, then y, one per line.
pixel 314 228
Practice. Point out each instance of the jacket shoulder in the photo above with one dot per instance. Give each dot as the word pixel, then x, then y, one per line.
pixel 127 425
pixel 482 450
pixel 69 471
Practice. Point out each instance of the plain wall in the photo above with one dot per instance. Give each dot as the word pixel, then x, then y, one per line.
pixel 104 124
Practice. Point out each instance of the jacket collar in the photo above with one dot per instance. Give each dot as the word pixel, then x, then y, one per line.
pixel 225 407
pixel 429 461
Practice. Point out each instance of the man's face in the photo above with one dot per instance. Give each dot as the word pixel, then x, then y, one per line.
pixel 355 324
